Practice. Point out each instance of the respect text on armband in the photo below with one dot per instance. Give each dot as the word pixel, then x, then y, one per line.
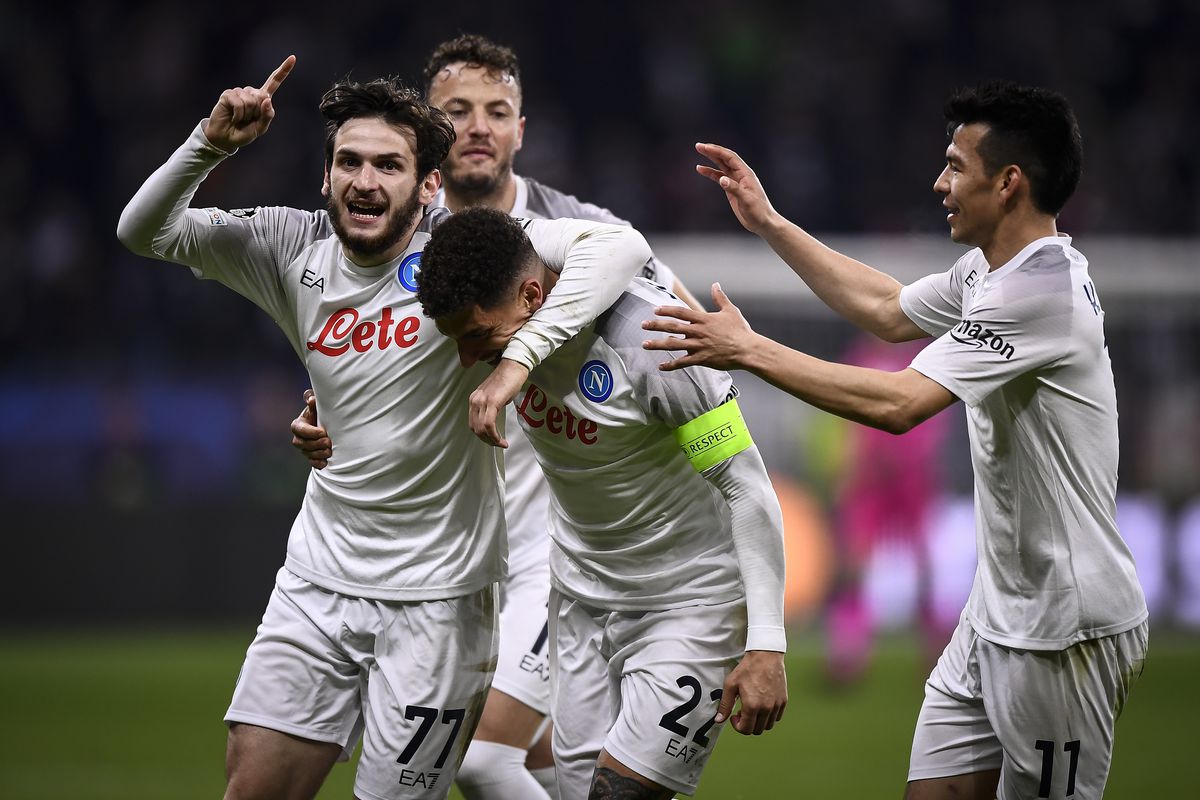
pixel 705 441
pixel 715 436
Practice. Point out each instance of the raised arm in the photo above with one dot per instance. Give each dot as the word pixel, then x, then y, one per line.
pixel 154 223
pixel 865 296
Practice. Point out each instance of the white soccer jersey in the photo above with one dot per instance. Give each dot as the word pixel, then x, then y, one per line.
pixel 1023 347
pixel 526 496
pixel 633 525
pixel 410 508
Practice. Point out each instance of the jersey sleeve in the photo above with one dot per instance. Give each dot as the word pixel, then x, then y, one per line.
pixel 245 249
pixel 756 521
pixel 1022 325
pixel 595 262
pixel 934 303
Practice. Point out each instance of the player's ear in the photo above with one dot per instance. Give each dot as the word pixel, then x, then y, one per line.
pixel 520 133
pixel 325 182
pixel 1010 182
pixel 532 294
pixel 430 185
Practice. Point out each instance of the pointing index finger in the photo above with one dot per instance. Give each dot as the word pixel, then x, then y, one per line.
pixel 277 77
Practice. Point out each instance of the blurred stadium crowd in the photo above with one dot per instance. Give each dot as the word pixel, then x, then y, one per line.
pixel 125 383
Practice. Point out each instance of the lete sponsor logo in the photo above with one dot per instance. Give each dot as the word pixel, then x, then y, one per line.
pixel 536 411
pixel 344 330
pixel 979 336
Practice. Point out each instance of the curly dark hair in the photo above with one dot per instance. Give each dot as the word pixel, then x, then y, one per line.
pixel 1029 126
pixel 475 257
pixel 396 104
pixel 475 51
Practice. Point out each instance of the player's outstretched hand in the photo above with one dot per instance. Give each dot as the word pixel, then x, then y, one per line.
pixel 760 681
pixel 720 339
pixel 242 115
pixel 489 399
pixel 742 188
pixel 310 439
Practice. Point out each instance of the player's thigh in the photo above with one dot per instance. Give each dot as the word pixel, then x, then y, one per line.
pixel 297 678
pixel 523 667
pixel 1055 712
pixel 954 739
pixel 972 786
pixel 430 668
pixel 263 763
pixel 672 667
pixel 583 694
pixel 506 720
pixel 615 780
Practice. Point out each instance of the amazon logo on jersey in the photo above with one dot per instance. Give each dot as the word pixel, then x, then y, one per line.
pixel 978 336
pixel 345 330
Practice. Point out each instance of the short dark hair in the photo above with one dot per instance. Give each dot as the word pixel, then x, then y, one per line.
pixel 473 258
pixel 474 51
pixel 390 100
pixel 1029 126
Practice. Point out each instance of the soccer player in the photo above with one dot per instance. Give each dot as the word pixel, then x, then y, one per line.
pixel 478 84
pixel 667 555
pixel 1024 699
pixel 382 618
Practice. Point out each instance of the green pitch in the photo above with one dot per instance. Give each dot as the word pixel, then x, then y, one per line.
pixel 123 717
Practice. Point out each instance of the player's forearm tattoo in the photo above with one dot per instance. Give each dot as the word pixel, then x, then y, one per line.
pixel 608 785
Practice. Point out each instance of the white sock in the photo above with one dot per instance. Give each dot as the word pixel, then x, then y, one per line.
pixel 492 771
pixel 545 776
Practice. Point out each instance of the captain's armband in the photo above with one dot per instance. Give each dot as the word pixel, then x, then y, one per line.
pixel 715 436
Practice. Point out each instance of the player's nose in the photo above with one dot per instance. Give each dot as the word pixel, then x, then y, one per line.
pixel 477 124
pixel 466 356
pixel 366 179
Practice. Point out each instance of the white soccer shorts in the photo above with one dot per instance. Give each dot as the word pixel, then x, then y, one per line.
pixel 1044 718
pixel 410 678
pixel 644 686
pixel 523 669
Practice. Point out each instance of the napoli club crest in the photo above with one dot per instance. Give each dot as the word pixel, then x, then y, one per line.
pixel 596 381
pixel 407 274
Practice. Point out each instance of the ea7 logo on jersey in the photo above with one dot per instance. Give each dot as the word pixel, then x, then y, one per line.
pixel 974 334
pixel 407 274
pixel 596 381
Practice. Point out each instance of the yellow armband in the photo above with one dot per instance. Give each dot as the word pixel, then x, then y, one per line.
pixel 713 437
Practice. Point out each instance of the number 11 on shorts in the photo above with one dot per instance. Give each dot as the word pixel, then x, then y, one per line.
pixel 1047 748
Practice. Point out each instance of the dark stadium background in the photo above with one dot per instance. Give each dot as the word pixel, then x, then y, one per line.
pixel 148 485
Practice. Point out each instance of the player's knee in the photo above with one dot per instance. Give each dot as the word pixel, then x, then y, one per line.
pixel 488 763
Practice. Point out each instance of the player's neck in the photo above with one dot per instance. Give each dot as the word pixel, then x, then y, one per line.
pixel 502 198
pixel 1014 234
